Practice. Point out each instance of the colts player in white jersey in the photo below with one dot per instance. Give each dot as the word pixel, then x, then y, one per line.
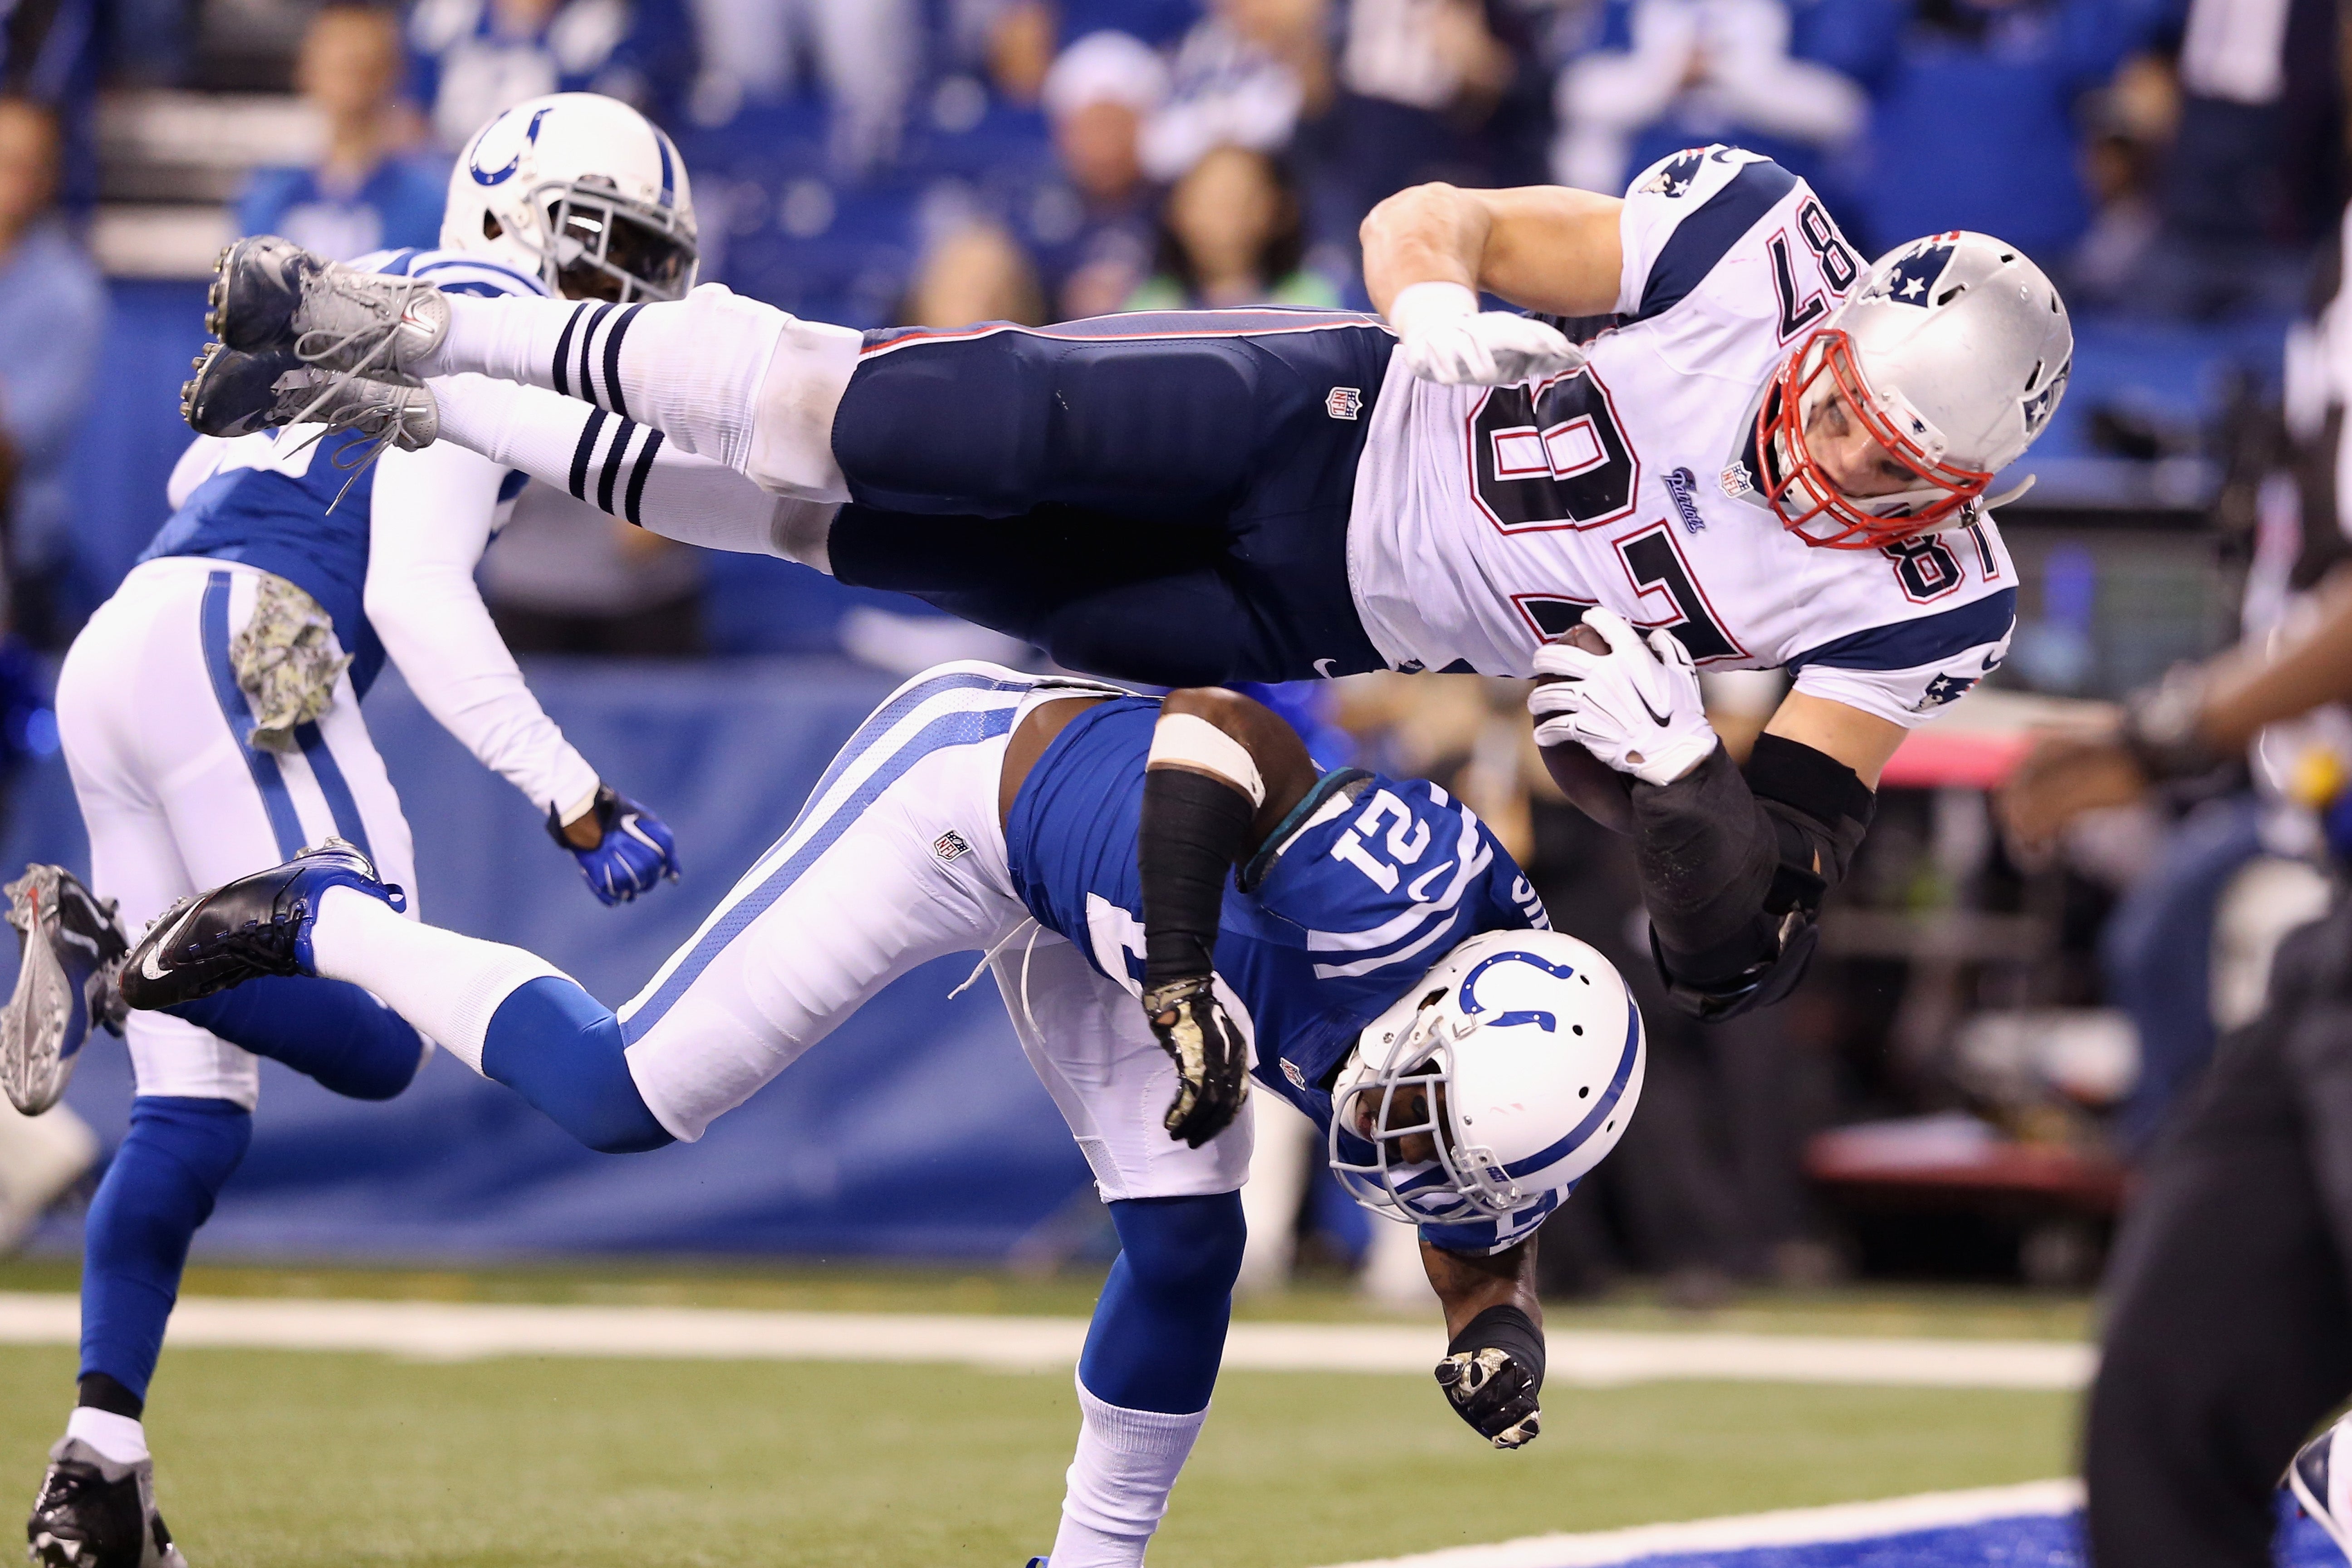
pixel 210 717
pixel 1172 900
pixel 1724 428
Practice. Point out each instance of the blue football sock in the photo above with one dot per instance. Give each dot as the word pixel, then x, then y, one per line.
pixel 1158 1330
pixel 159 1189
pixel 561 1049
pixel 330 1029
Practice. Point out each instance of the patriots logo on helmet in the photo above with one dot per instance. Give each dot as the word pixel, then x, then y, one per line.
pixel 2038 404
pixel 1673 177
pixel 1912 279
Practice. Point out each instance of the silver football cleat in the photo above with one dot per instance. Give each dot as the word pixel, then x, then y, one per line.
pixel 71 947
pixel 235 394
pixel 270 293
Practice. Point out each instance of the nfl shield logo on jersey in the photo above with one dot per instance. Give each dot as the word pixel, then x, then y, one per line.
pixel 950 847
pixel 1345 402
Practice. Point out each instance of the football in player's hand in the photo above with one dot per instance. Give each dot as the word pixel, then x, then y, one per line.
pixel 1591 785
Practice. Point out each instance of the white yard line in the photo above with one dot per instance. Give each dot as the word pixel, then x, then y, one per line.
pixel 462 1331
pixel 1787 1527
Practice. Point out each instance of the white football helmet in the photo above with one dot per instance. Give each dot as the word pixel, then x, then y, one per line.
pixel 1516 1064
pixel 581 190
pixel 1953 353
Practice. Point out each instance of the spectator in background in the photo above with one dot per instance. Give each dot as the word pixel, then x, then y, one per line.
pixel 53 310
pixel 1242 77
pixel 2130 125
pixel 865 54
pixel 974 272
pixel 2256 172
pixel 1097 97
pixel 1429 90
pixel 367 192
pixel 1232 234
pixel 1974 124
pixel 1669 74
pixel 470 58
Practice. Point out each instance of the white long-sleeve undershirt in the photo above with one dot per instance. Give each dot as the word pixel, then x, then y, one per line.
pixel 433 515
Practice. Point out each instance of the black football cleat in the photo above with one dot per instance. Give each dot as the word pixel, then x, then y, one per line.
pixel 95 1513
pixel 256 926
pixel 70 949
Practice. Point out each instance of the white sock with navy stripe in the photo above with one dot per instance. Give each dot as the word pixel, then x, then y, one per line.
pixel 448 986
pixel 698 370
pixel 1119 1482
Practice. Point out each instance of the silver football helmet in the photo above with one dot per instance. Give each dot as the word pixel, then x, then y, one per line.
pixel 1499 1080
pixel 1953 353
pixel 582 191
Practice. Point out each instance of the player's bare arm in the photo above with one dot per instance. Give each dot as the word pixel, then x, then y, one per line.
pixel 1546 248
pixel 1493 1370
pixel 1428 251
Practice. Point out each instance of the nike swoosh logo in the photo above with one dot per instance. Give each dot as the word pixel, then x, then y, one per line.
pixel 1418 888
pixel 147 966
pixel 1655 717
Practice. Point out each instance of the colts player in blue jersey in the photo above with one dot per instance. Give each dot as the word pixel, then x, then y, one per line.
pixel 1170 897
pixel 210 716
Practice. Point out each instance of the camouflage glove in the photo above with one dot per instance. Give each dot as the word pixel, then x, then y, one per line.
pixel 1492 1374
pixel 1211 1055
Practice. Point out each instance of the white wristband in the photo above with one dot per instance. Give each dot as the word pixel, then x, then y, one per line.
pixel 1419 306
pixel 1195 742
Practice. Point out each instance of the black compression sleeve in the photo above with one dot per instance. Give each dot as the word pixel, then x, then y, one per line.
pixel 1505 1327
pixel 1194 828
pixel 1726 857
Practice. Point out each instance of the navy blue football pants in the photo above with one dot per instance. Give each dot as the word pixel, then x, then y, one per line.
pixel 1159 497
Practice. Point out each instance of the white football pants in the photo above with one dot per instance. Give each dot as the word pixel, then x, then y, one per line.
pixel 153 726
pixel 898 859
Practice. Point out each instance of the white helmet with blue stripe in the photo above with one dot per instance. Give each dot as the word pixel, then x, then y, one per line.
pixel 1510 1072
pixel 581 191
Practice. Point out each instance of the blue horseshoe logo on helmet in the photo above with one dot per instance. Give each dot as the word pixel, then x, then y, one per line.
pixel 501 177
pixel 1547 1022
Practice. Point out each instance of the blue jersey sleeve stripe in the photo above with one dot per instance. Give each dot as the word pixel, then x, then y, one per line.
pixel 1909 645
pixel 1701 240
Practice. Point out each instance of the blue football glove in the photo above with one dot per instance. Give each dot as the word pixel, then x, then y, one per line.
pixel 633 848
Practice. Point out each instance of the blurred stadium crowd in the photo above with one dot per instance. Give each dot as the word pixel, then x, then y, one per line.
pixel 2179 165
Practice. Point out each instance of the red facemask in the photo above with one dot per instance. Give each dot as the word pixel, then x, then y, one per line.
pixel 1800 492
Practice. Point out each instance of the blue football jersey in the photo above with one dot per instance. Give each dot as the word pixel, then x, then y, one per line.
pixel 1370 883
pixel 298 505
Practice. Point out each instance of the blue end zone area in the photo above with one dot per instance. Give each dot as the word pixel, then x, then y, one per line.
pixel 2036 1525
pixel 2032 1542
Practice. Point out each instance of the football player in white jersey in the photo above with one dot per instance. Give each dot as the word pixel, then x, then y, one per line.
pixel 1727 430
pixel 210 718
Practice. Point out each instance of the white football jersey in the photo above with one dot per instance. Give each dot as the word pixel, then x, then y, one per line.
pixel 1487 519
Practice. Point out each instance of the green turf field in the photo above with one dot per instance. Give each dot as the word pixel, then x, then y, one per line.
pixel 271 1459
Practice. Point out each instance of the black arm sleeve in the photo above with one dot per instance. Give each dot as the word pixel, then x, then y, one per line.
pixel 1195 827
pixel 1734 867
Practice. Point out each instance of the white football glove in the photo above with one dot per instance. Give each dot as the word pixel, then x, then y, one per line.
pixel 1637 707
pixel 1444 337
